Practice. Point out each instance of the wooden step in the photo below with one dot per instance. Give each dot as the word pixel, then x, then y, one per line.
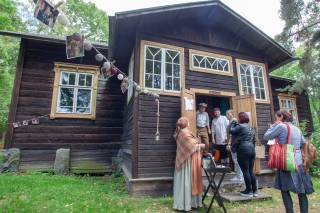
pixel 236 197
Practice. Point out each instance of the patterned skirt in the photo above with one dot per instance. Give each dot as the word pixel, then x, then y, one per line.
pixel 298 182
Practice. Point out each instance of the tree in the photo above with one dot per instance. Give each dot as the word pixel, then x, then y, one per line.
pixel 83 16
pixel 302 26
pixel 9 47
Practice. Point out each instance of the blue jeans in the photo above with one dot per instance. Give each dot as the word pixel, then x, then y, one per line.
pixel 237 168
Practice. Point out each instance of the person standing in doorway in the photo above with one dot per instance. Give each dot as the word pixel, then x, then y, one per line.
pixel 203 126
pixel 231 142
pixel 219 133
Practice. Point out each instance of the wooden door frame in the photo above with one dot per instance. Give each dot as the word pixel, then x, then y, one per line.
pixel 215 93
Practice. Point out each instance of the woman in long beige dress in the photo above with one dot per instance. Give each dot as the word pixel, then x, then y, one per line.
pixel 187 185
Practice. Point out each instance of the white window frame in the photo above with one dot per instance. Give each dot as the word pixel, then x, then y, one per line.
pixel 130 76
pixel 228 59
pixel 75 69
pixel 75 88
pixel 163 47
pixel 292 98
pixel 264 76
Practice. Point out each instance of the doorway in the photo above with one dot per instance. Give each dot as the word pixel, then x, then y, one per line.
pixel 224 104
pixel 221 102
pixel 190 98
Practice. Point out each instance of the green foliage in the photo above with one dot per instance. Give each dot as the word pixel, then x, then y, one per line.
pixel 9 47
pixel 302 20
pixel 291 70
pixel 9 20
pixel 83 16
pixel 5 94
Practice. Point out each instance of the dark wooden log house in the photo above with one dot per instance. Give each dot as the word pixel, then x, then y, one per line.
pixel 200 51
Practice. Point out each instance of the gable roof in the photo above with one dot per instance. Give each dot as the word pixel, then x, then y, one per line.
pixel 207 13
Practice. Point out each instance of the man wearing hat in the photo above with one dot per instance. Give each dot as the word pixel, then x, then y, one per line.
pixel 203 126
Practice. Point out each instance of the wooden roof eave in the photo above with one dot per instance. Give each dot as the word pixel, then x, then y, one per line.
pixel 274 47
pixel 45 38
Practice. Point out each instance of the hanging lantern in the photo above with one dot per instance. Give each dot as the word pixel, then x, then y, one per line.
pixel 99 57
pixel 63 20
pixel 106 65
pixel 138 88
pixel 120 76
pixel 87 45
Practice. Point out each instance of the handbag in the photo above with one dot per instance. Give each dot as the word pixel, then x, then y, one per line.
pixel 309 154
pixel 282 156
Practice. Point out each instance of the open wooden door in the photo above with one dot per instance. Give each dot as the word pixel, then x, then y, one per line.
pixel 188 107
pixel 246 103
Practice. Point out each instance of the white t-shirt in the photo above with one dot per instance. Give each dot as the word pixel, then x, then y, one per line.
pixel 219 129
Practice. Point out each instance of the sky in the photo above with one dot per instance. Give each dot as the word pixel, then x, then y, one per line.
pixel 262 13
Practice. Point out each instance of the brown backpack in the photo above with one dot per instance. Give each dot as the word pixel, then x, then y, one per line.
pixel 309 153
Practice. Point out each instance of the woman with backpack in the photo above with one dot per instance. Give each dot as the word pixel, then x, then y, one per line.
pixel 298 181
pixel 244 146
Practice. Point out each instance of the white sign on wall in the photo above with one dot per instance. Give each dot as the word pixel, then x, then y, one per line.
pixel 188 104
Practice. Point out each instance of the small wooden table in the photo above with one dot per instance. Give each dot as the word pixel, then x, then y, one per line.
pixel 211 173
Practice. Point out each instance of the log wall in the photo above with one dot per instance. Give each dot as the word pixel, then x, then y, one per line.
pixel 93 143
pixel 156 158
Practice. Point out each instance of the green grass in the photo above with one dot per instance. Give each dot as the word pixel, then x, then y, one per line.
pixel 41 192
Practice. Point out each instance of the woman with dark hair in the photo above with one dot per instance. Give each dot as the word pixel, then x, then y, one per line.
pixel 298 181
pixel 244 146
pixel 187 183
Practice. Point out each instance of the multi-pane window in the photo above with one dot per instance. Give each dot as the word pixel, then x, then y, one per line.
pixel 210 62
pixel 289 104
pixel 162 68
pixel 74 91
pixel 252 80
